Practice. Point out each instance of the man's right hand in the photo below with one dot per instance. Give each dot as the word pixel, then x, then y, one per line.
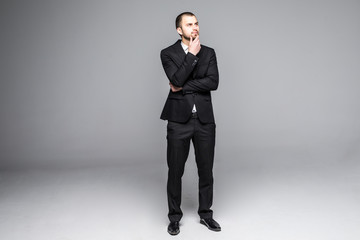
pixel 194 46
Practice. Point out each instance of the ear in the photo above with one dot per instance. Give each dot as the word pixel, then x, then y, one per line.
pixel 179 30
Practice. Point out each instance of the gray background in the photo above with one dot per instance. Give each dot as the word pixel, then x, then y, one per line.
pixel 82 87
pixel 82 81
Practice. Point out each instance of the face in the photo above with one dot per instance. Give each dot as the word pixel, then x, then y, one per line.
pixel 189 27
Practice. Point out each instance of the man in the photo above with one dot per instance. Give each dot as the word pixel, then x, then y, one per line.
pixel 192 71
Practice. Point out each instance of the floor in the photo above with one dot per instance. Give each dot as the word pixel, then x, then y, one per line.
pixel 251 201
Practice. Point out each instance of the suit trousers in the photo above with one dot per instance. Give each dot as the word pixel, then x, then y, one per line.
pixel 179 136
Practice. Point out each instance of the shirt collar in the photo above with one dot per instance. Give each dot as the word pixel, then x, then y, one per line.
pixel 184 47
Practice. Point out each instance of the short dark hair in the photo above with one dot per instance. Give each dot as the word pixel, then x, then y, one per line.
pixel 179 18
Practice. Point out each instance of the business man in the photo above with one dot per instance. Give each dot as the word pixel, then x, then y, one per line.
pixel 192 72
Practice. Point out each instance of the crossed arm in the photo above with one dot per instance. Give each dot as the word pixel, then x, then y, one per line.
pixel 180 77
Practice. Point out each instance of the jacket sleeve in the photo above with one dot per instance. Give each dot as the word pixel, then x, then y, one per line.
pixel 178 75
pixel 209 83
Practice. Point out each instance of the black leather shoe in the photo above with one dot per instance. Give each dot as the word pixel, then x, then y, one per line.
pixel 211 224
pixel 173 228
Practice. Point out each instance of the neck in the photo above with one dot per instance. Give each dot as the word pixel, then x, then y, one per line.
pixel 186 42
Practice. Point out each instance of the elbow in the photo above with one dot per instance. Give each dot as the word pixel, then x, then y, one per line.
pixel 215 87
pixel 215 84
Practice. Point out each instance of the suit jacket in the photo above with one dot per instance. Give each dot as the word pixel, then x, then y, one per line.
pixel 197 75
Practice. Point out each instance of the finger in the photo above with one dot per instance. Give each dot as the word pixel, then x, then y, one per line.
pixel 196 41
pixel 191 40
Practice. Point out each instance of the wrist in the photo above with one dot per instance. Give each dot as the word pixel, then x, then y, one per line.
pixel 192 52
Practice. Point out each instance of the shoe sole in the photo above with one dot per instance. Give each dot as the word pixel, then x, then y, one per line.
pixel 173 233
pixel 212 229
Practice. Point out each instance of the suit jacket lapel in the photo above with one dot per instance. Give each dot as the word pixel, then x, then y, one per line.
pixel 179 53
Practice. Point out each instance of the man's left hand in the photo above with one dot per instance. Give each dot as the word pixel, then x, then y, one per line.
pixel 174 88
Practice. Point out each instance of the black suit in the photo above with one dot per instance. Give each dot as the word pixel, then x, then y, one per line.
pixel 197 75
